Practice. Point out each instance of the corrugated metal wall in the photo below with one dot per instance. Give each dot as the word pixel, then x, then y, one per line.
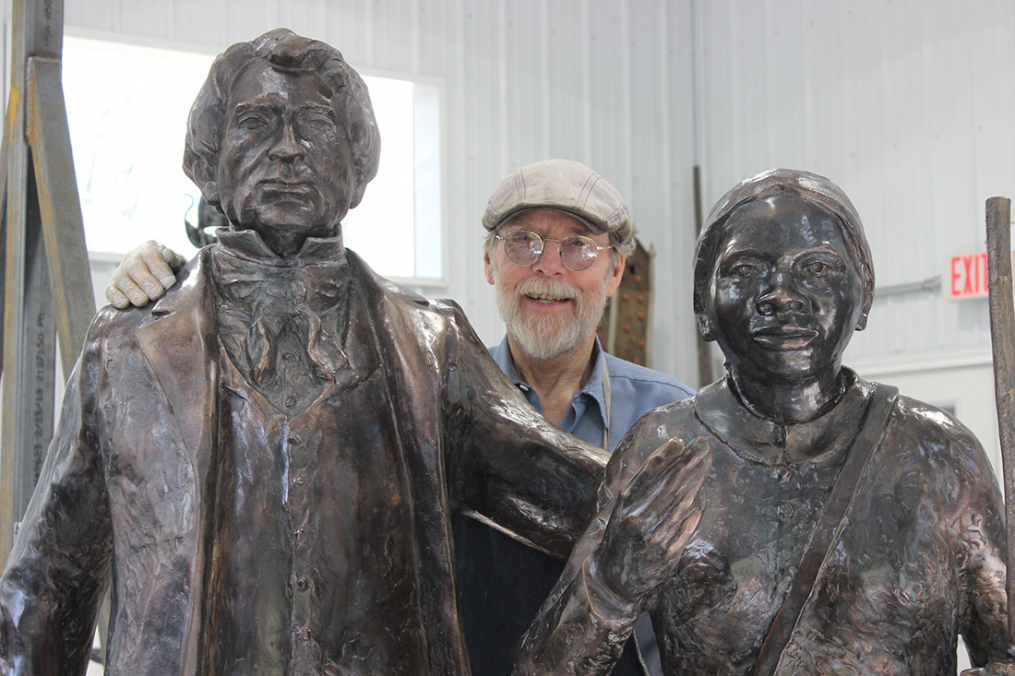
pixel 607 83
pixel 907 104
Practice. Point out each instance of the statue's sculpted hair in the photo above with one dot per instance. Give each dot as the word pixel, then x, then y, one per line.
pixel 285 51
pixel 810 187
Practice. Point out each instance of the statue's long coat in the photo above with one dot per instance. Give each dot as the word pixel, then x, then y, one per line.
pixel 129 482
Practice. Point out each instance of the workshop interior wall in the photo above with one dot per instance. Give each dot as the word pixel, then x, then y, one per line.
pixel 606 83
pixel 906 104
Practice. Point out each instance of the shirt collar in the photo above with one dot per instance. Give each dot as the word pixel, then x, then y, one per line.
pixel 593 388
pixel 248 245
pixel 761 440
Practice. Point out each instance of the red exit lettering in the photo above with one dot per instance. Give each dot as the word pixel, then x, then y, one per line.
pixel 967 275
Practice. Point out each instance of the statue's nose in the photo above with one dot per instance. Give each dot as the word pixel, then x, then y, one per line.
pixel 781 295
pixel 288 147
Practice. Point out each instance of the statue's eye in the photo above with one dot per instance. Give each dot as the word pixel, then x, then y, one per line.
pixel 251 122
pixel 743 270
pixel 817 268
pixel 316 122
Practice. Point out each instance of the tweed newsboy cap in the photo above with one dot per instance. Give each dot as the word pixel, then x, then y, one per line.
pixel 561 185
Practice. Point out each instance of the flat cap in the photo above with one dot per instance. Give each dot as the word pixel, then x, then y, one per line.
pixel 561 185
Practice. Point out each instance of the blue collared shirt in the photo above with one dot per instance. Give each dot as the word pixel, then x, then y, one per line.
pixel 496 572
pixel 634 391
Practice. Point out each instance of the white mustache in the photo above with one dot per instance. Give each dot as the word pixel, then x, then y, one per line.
pixel 546 289
pixel 553 334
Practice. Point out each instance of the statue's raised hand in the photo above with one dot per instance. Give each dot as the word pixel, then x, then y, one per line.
pixel 654 518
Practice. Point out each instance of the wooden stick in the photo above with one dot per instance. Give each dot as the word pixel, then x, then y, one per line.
pixel 1002 336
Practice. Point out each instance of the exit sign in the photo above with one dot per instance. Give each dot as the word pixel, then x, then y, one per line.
pixel 966 276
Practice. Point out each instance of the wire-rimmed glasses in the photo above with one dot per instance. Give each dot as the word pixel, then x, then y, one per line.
pixel 524 247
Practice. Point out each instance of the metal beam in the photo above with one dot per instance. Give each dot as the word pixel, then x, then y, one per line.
pixel 43 251
pixel 62 225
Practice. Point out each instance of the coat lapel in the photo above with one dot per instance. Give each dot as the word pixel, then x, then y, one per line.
pixel 180 348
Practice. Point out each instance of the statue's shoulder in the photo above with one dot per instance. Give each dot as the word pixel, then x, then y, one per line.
pixel 674 413
pixel 382 289
pixel 930 424
pixel 411 316
pixel 114 329
pixel 921 435
pixel 675 420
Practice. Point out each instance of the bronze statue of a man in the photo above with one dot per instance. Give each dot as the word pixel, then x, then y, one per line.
pixel 845 529
pixel 267 459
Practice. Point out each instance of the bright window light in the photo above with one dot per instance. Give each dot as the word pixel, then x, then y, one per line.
pixel 127 108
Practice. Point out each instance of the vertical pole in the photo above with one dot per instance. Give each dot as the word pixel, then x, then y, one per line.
pixel 1002 337
pixel 36 371
pixel 73 304
pixel 28 322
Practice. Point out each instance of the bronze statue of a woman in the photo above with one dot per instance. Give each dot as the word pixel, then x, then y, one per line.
pixel 844 528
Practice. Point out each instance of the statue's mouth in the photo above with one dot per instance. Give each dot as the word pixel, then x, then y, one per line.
pixel 282 189
pixel 787 337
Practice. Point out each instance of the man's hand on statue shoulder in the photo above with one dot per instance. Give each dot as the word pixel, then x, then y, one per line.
pixel 143 276
pixel 654 518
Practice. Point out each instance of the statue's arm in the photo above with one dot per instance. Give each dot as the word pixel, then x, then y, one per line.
pixel 980 524
pixel 144 275
pixel 59 566
pixel 647 511
pixel 506 462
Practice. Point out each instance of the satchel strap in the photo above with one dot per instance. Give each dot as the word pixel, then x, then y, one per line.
pixel 828 529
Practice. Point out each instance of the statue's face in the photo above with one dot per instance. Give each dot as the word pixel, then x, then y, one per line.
pixel 786 294
pixel 285 160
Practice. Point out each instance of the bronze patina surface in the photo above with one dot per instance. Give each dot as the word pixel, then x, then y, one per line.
pixel 266 460
pixel 782 280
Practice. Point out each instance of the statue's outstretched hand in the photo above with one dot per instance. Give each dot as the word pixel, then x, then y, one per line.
pixel 654 518
pixel 144 275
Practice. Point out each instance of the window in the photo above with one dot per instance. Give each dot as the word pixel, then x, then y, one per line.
pixel 127 108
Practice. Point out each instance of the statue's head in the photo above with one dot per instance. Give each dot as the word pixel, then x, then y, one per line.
pixel 282 135
pixel 783 275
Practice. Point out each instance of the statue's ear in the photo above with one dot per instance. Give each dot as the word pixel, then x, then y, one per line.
pixel 210 190
pixel 706 326
pixel 202 169
pixel 861 324
pixel 357 195
pixel 868 300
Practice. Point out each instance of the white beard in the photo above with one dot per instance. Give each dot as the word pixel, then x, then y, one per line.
pixel 550 336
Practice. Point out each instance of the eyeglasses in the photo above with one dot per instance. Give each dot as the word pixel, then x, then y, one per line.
pixel 524 247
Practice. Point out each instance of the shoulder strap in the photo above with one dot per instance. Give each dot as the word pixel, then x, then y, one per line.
pixel 828 528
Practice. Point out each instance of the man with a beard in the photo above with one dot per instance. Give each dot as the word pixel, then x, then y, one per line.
pixel 559 234
pixel 558 237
